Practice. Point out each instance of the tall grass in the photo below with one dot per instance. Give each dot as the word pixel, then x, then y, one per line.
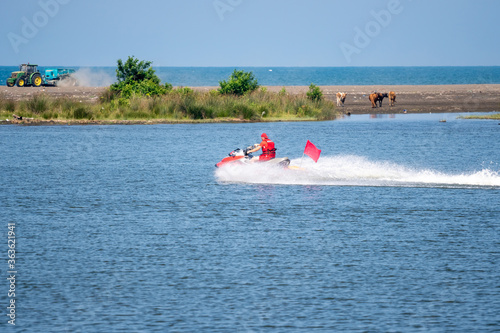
pixel 179 104
pixel 37 104
pixel 7 104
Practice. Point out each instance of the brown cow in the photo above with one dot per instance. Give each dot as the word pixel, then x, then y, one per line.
pixel 373 98
pixel 392 97
pixel 377 97
pixel 341 98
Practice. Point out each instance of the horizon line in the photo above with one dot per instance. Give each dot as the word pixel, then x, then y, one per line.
pixel 270 67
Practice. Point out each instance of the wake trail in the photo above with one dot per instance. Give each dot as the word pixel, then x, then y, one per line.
pixel 350 170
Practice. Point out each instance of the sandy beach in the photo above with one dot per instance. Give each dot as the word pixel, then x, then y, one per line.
pixel 413 99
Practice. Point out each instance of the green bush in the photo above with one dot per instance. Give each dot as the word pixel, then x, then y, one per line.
pixel 184 91
pixel 134 70
pixel 136 78
pixel 314 93
pixel 142 88
pixel 240 82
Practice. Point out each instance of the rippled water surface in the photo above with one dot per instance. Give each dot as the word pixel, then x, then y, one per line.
pixel 131 228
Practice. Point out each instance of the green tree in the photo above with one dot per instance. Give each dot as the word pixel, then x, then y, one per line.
pixel 134 70
pixel 240 82
pixel 314 93
pixel 138 78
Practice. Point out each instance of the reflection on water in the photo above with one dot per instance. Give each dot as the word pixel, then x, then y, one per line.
pixel 381 116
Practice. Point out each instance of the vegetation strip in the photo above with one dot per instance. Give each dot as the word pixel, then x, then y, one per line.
pixel 495 116
pixel 139 97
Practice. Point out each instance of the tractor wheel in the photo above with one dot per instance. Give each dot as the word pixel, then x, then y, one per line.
pixel 11 83
pixel 36 79
pixel 20 82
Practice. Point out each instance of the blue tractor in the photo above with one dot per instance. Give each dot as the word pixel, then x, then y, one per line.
pixel 54 76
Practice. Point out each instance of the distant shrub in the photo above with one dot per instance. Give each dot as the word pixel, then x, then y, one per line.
pixel 314 93
pixel 184 91
pixel 134 70
pixel 136 78
pixel 143 88
pixel 239 83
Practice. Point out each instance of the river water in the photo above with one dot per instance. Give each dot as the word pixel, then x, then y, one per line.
pixel 132 229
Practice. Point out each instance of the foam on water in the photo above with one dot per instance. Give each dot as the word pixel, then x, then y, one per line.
pixel 348 170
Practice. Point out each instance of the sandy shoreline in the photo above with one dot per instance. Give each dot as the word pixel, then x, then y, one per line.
pixel 412 98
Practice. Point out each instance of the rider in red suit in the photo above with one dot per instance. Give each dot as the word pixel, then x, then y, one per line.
pixel 268 149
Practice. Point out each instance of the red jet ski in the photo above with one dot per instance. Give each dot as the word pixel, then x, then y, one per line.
pixel 240 156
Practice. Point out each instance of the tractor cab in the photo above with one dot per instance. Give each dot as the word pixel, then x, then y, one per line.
pixel 28 69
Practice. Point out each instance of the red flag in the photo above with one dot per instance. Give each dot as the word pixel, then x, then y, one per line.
pixel 312 151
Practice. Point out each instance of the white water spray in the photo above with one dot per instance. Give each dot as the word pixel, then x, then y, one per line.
pixel 355 171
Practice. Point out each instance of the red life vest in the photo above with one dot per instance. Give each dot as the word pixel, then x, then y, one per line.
pixel 268 150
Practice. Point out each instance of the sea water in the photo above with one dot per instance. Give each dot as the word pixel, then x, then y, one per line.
pixel 132 228
pixel 299 76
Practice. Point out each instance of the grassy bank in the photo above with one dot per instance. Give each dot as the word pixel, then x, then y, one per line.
pixel 495 116
pixel 177 105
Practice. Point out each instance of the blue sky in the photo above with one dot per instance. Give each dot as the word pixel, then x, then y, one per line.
pixel 251 32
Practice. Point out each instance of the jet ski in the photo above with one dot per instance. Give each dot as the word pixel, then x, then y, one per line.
pixel 241 156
